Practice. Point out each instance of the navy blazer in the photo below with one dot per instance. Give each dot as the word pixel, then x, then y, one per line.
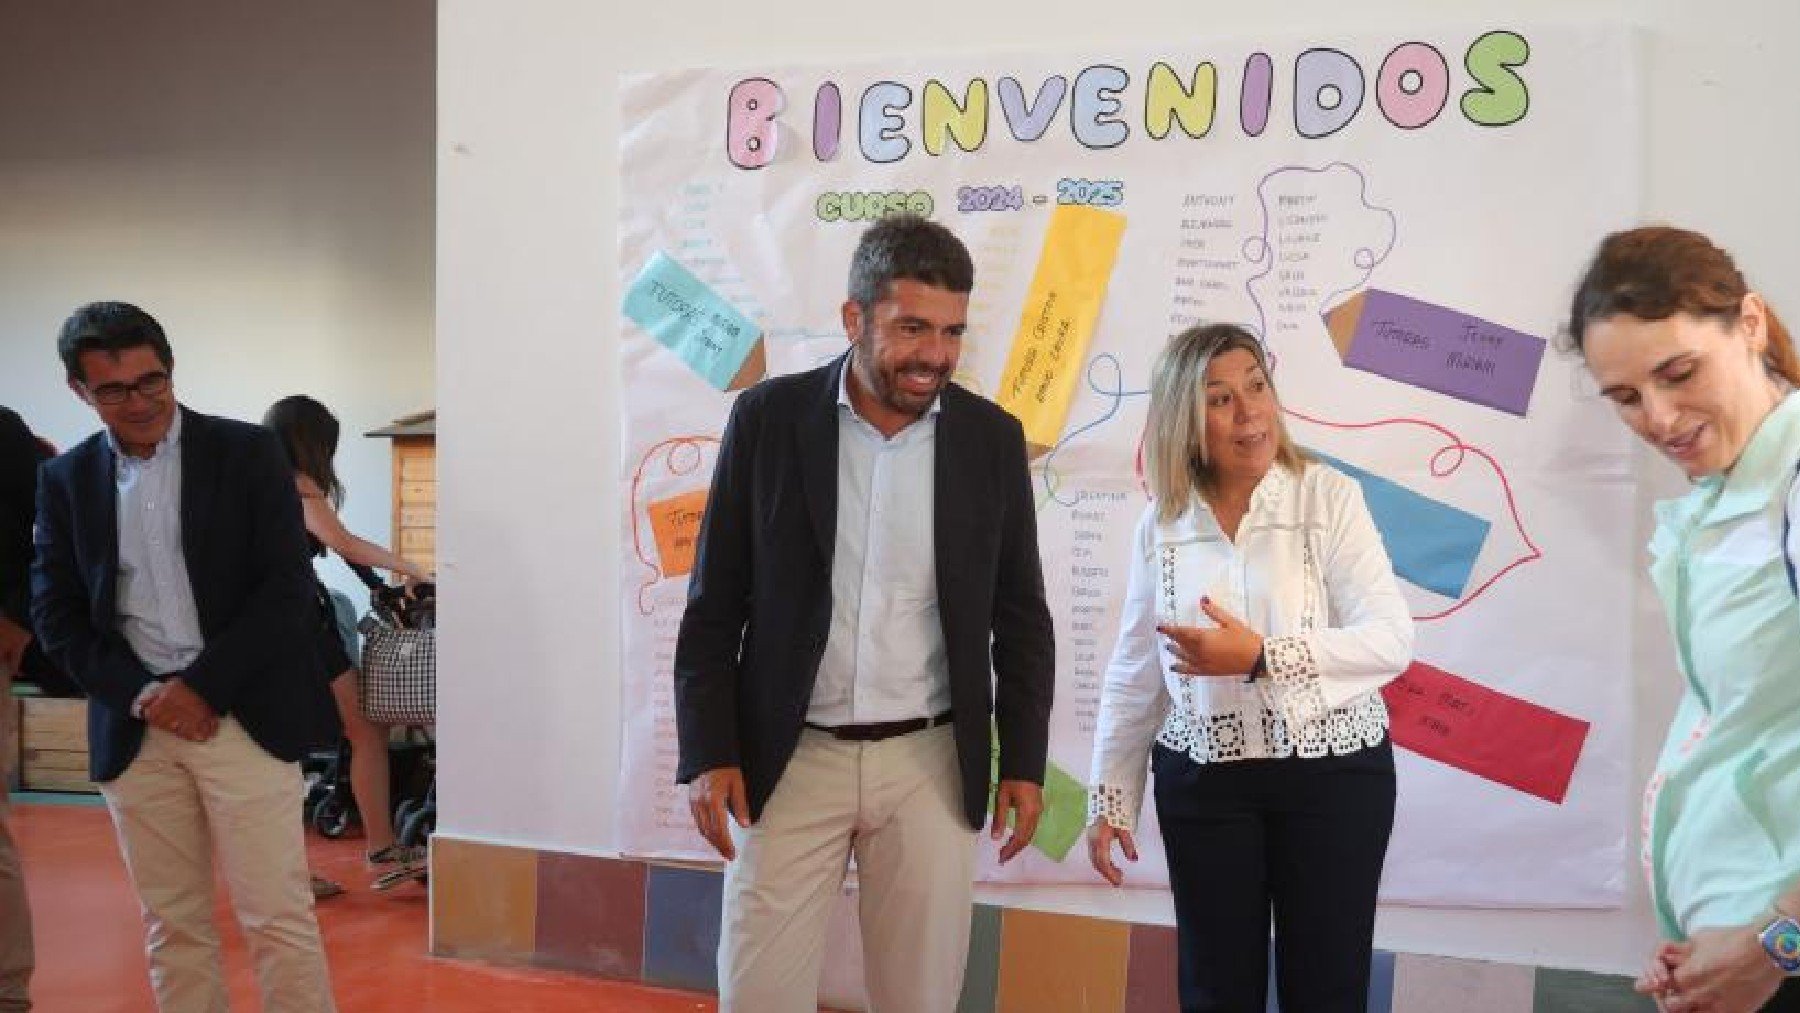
pixel 245 547
pixel 759 597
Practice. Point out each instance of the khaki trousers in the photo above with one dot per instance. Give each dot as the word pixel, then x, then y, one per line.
pixel 896 805
pixel 178 806
pixel 15 915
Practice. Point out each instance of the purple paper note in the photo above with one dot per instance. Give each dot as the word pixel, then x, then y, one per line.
pixel 1436 348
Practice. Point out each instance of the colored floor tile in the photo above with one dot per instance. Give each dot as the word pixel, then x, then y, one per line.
pixel 681 928
pixel 486 900
pixel 981 979
pixel 1150 976
pixel 590 914
pixel 1425 984
pixel 1057 962
pixel 1581 992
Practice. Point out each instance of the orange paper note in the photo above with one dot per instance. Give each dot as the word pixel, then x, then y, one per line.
pixel 675 522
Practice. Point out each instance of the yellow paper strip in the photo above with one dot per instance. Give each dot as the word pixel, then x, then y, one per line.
pixel 1058 320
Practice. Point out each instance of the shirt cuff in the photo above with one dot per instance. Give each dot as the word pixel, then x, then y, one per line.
pixel 1115 804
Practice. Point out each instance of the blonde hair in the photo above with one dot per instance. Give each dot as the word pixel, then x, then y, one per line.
pixel 1175 430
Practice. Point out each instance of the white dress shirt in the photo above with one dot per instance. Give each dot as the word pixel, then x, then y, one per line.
pixel 156 610
pixel 885 658
pixel 1310 574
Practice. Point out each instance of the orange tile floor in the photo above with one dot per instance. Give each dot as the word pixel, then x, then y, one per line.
pixel 90 938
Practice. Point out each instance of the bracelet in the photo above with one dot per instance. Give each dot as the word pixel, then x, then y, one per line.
pixel 1259 667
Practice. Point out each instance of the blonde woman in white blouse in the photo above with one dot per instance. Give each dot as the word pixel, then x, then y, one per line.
pixel 1261 619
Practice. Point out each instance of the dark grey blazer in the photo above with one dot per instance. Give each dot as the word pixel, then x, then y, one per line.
pixel 245 547
pixel 759 598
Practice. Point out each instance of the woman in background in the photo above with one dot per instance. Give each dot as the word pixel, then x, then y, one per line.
pixel 1261 619
pixel 1700 368
pixel 309 434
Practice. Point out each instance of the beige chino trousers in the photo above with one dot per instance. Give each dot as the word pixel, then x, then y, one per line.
pixel 178 806
pixel 896 805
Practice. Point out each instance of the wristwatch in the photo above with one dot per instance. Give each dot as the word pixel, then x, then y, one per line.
pixel 1781 941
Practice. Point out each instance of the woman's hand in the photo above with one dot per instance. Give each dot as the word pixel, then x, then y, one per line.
pixel 1720 971
pixel 1100 838
pixel 1659 975
pixel 1227 649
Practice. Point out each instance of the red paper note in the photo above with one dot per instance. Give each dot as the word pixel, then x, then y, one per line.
pixel 1487 733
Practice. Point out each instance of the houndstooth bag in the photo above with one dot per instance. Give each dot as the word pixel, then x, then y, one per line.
pixel 399 673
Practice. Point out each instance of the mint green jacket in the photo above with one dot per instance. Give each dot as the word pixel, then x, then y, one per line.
pixel 1722 811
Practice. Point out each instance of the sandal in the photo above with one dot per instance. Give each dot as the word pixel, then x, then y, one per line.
pixel 325 889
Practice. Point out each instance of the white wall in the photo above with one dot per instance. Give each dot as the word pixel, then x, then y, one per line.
pixel 259 177
pixel 527 254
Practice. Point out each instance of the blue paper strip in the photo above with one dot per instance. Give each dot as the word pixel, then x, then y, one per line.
pixel 1433 545
pixel 691 320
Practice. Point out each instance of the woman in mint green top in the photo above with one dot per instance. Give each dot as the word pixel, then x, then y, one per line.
pixel 1700 368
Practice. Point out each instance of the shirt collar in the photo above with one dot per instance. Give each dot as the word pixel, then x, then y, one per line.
pixel 1197 520
pixel 171 441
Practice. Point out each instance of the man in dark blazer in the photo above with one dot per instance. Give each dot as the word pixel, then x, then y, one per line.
pixel 19 457
pixel 171 581
pixel 866 611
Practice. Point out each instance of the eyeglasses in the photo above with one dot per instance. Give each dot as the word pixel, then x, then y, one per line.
pixel 150 386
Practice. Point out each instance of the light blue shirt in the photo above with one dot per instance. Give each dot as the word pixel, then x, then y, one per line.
pixel 885 658
pixel 1722 811
pixel 156 611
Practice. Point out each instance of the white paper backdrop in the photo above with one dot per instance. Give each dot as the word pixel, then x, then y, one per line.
pixel 1462 215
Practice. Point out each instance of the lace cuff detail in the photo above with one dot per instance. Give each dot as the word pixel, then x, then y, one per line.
pixel 1109 802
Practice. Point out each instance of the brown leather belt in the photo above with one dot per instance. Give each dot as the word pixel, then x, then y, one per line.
pixel 881 729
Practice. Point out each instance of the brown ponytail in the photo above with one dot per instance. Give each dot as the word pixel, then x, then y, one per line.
pixel 1655 272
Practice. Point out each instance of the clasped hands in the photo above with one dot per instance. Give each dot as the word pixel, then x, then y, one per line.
pixel 717 798
pixel 173 706
pixel 1716 971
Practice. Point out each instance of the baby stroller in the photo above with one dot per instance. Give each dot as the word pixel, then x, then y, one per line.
pixel 398 687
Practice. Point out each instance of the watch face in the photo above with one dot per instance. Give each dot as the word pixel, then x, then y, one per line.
pixel 1782 941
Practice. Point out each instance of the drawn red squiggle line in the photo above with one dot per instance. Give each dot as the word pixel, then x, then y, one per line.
pixel 684 466
pixel 1460 449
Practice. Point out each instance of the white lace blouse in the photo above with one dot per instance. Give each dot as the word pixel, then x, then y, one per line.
pixel 1309 572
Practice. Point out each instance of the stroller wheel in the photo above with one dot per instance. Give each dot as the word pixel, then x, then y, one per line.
pixel 416 827
pixel 403 815
pixel 330 817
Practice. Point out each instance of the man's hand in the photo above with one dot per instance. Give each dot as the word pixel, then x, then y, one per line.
pixel 1720 971
pixel 1228 649
pixel 1023 801
pixel 14 638
pixel 1100 838
pixel 176 708
pixel 715 798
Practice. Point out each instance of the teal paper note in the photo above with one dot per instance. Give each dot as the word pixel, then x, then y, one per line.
pixel 688 318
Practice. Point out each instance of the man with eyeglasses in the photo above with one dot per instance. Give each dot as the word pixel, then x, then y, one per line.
pixel 172 582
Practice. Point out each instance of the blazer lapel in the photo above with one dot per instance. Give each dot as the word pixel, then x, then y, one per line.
pixel 816 433
pixel 199 483
pixel 953 475
pixel 102 490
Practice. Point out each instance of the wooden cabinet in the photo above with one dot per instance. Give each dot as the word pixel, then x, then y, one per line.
pixel 415 486
pixel 53 754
